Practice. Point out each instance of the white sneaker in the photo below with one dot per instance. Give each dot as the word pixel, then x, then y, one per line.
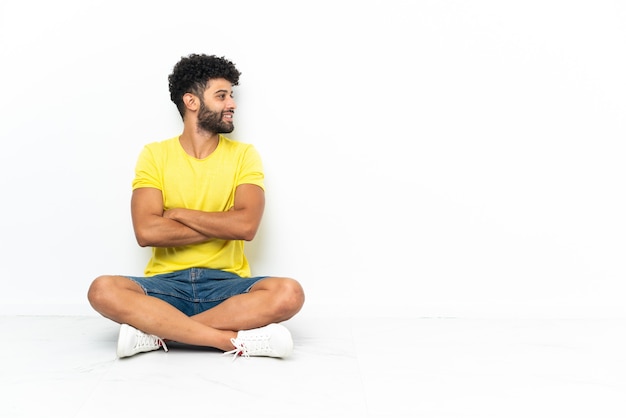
pixel 132 341
pixel 272 340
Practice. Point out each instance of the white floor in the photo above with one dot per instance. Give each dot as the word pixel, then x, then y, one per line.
pixel 349 367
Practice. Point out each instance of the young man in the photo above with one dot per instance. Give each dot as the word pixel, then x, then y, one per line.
pixel 196 199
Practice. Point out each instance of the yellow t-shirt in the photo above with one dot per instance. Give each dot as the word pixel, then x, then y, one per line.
pixel 209 185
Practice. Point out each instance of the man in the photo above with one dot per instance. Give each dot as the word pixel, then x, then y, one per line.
pixel 196 199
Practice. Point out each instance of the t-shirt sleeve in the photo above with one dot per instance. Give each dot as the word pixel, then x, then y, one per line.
pixel 251 168
pixel 146 172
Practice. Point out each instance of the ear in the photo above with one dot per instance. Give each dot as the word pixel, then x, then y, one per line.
pixel 191 101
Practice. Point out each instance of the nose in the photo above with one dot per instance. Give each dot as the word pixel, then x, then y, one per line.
pixel 231 104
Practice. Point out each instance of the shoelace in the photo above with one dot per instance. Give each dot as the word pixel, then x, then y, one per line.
pixel 239 350
pixel 257 345
pixel 147 340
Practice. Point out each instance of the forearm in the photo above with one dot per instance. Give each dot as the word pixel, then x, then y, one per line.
pixel 179 226
pixel 159 231
pixel 231 225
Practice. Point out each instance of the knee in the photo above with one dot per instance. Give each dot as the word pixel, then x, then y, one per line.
pixel 99 291
pixel 290 298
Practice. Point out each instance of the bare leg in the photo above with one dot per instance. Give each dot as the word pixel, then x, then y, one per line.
pixel 270 300
pixel 123 301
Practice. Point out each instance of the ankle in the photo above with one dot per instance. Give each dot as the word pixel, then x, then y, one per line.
pixel 225 343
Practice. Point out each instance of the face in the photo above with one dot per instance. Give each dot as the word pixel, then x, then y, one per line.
pixel 217 108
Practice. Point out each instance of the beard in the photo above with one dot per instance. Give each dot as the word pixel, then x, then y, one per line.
pixel 211 121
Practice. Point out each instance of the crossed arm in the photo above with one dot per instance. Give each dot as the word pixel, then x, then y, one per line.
pixel 155 227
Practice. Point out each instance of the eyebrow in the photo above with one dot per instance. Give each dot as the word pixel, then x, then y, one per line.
pixel 223 91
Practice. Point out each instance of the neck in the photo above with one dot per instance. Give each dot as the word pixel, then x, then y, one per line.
pixel 198 144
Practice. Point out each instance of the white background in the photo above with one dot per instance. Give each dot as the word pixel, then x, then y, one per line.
pixel 423 158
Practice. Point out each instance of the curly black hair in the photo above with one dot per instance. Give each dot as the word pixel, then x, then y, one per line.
pixel 192 73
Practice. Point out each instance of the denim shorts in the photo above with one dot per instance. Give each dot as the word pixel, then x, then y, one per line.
pixel 195 290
